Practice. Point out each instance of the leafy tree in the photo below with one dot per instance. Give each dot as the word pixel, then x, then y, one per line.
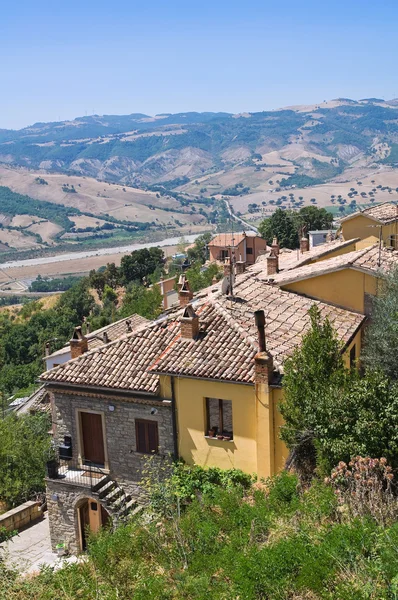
pixel 199 279
pixel 313 368
pixel 286 224
pixel 281 225
pixel 140 263
pixel 143 301
pixel 24 448
pixel 199 253
pixel 335 411
pixel 381 341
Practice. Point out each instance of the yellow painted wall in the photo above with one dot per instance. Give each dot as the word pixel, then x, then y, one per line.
pixel 357 342
pixel 344 288
pixel 337 252
pixel 363 227
pixel 281 452
pixel 194 447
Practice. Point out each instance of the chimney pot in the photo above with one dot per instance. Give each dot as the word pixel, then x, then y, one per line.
pixel 189 323
pixel 275 246
pixel 128 326
pixel 78 343
pixel 304 245
pixel 105 337
pixel 227 267
pixel 240 267
pixel 272 263
pixel 185 294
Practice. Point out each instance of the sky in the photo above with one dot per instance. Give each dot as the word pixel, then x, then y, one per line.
pixel 61 60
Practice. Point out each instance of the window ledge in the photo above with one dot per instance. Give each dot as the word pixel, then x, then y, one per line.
pixel 215 438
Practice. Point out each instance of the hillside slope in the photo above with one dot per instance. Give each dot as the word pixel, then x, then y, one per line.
pixel 320 141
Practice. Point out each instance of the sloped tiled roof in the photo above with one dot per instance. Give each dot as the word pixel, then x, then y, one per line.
pixel 286 315
pixel 291 259
pixel 370 259
pixel 223 350
pixel 223 240
pixel 384 213
pixel 114 331
pixel 121 365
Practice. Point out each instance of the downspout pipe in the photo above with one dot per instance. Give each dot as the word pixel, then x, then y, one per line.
pixel 174 419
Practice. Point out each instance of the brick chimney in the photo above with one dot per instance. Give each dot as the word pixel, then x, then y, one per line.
pixel 185 294
pixel 240 267
pixel 78 343
pixel 272 263
pixel 275 246
pixel 304 244
pixel 263 363
pixel 189 323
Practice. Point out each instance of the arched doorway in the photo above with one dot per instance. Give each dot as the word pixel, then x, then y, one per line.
pixel 91 516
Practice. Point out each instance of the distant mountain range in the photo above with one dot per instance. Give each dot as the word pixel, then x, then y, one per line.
pixel 320 141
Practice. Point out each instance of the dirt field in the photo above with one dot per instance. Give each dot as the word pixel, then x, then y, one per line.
pixel 47 230
pixel 16 239
pixel 24 220
pixel 91 195
pixel 83 222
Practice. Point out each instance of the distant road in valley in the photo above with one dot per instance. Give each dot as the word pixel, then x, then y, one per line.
pixel 245 224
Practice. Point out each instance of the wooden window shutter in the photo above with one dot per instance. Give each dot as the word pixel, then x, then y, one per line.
pixel 147 438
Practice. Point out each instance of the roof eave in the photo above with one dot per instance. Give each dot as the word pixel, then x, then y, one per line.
pixel 98 389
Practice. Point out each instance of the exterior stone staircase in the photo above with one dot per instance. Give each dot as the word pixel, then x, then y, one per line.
pixel 115 500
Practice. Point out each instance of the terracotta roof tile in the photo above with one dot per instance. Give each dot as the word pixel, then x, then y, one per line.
pixel 224 349
pixel 369 259
pixel 291 259
pixel 386 212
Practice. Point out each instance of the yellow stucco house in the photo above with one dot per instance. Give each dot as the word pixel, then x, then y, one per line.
pixel 378 222
pixel 217 363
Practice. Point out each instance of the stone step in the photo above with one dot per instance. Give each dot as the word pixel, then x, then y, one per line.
pixel 101 483
pixel 120 501
pixel 113 495
pixel 106 489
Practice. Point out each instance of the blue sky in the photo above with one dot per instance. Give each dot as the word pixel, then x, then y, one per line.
pixel 66 59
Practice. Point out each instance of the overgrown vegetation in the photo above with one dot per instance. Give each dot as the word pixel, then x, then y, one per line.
pixel 228 540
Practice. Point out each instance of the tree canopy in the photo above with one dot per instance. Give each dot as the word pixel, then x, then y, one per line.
pixel 381 341
pixel 286 225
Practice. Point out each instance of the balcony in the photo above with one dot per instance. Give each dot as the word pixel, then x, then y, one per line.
pixel 74 473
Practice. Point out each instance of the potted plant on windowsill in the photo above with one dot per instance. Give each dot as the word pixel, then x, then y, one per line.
pixel 227 436
pixel 212 432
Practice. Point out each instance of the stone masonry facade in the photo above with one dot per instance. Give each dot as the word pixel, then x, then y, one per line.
pixel 125 463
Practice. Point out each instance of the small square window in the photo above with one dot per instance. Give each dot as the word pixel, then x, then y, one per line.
pixel 249 250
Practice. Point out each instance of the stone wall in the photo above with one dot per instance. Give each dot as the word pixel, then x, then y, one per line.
pixel 20 516
pixel 62 500
pixel 125 464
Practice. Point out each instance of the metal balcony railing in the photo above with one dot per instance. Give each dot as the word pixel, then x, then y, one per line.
pixel 73 472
